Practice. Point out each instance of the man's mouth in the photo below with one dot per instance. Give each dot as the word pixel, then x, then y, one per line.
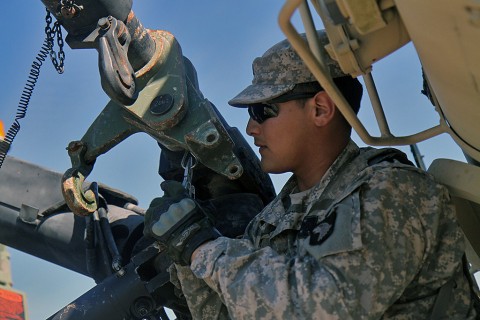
pixel 260 146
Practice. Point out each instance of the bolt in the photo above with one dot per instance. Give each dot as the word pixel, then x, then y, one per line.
pixel 143 311
pixel 75 146
pixel 142 307
pixel 104 23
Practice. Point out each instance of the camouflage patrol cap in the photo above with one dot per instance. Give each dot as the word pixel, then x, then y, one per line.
pixel 278 71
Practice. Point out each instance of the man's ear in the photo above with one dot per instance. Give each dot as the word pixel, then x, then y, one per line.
pixel 324 109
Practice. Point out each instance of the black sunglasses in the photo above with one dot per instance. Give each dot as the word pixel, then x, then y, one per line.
pixel 261 111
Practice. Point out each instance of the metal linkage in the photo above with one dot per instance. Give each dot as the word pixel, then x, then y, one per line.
pixel 313 57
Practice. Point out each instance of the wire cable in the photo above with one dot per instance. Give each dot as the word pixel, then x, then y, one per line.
pixel 45 51
pixel 25 98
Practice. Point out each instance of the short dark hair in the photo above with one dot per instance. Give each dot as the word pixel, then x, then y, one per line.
pixel 350 87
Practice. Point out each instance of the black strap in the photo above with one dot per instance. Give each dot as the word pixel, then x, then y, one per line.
pixel 443 300
pixel 473 286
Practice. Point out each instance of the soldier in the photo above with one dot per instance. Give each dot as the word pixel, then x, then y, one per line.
pixel 356 233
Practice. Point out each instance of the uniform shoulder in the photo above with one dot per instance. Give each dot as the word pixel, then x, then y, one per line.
pixel 390 166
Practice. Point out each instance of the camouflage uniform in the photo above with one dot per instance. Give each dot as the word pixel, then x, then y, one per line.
pixel 376 243
pixel 369 241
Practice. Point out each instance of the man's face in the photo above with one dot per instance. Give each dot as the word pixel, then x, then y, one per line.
pixel 283 140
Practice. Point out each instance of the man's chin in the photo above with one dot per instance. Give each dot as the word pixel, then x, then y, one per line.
pixel 271 168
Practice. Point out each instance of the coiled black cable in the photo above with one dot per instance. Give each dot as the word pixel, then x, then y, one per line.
pixel 45 50
pixel 25 98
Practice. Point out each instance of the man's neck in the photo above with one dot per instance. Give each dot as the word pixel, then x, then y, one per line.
pixel 310 175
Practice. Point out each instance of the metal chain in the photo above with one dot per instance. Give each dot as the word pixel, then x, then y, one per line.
pixel 51 32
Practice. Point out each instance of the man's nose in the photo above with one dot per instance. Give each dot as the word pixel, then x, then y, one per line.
pixel 253 127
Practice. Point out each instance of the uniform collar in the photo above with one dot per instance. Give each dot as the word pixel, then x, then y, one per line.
pixel 276 210
pixel 350 151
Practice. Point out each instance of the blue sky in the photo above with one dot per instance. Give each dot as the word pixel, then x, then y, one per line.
pixel 221 38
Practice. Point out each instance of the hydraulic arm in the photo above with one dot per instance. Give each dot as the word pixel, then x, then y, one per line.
pixel 96 230
pixel 153 89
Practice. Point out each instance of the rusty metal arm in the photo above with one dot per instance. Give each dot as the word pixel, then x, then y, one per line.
pixel 161 98
pixel 170 109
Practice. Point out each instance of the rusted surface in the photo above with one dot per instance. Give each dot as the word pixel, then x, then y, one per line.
pixel 131 16
pixel 142 46
pixel 81 204
pixel 140 32
pixel 159 38
pixel 68 311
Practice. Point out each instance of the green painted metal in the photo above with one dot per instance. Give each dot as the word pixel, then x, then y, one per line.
pixel 170 108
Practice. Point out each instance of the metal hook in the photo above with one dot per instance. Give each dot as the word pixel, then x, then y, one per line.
pixel 82 203
pixel 187 156
pixel 188 163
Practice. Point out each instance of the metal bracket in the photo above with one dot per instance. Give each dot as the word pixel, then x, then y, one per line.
pixel 170 108
pixel 350 65
pixel 365 15
pixel 116 72
pixel 28 214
